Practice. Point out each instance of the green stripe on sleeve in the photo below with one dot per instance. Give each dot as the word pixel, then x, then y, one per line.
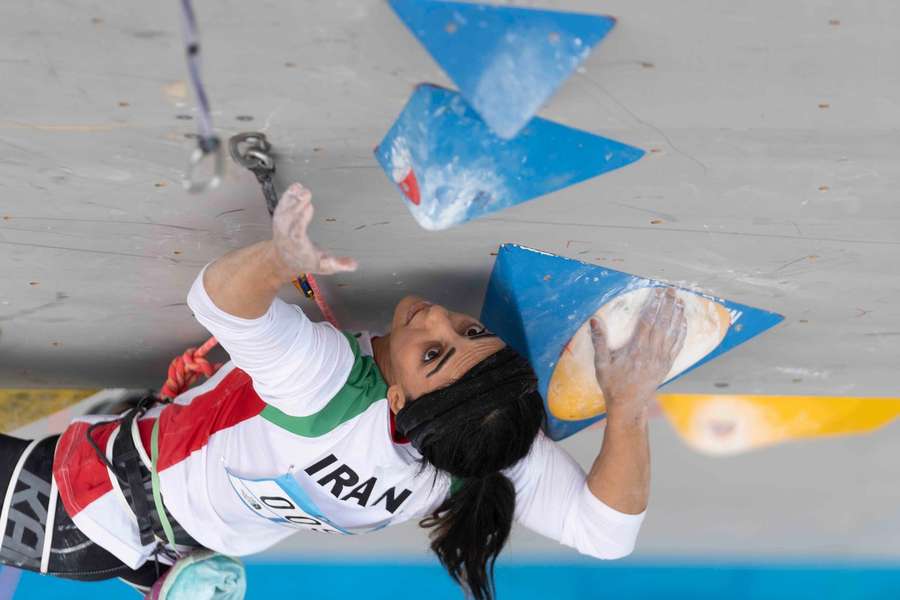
pixel 364 387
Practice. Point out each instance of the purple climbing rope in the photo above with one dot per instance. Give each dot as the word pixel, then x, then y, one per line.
pixel 207 141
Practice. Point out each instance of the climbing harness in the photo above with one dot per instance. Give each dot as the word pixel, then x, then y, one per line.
pixel 125 466
pixel 129 467
pixel 208 144
pixel 127 463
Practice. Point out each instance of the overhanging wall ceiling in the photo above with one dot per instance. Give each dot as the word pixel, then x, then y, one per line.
pixel 772 133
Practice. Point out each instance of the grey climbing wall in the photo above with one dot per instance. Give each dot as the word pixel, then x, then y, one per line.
pixel 770 179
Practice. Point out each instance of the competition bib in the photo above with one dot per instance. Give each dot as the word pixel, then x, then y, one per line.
pixel 283 501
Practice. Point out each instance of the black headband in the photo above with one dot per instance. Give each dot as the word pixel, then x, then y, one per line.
pixel 493 381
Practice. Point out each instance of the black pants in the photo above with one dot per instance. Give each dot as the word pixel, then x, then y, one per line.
pixel 72 554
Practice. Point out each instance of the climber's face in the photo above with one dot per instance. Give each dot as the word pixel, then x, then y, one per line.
pixel 432 347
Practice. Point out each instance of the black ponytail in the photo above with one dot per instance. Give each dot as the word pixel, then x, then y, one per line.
pixel 470 529
pixel 473 429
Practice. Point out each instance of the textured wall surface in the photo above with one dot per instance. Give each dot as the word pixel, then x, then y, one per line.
pixel 773 132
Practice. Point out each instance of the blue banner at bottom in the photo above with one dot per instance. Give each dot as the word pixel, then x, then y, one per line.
pixel 522 581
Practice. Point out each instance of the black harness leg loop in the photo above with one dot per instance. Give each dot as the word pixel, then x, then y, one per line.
pixel 128 462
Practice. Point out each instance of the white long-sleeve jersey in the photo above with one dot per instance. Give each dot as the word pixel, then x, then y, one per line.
pixel 295 434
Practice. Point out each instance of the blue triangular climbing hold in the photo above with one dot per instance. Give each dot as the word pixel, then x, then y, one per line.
pixel 506 61
pixel 452 168
pixel 537 301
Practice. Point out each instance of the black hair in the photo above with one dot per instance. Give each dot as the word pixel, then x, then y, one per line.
pixel 498 415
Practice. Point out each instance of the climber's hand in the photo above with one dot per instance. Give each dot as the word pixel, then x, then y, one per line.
pixel 296 252
pixel 630 375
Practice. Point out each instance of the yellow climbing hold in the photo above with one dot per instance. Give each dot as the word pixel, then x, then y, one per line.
pixel 729 424
pixel 19 407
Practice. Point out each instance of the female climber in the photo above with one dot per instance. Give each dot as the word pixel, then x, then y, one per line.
pixel 311 428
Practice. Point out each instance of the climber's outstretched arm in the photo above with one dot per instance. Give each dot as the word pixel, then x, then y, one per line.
pixel 295 364
pixel 600 513
pixel 620 476
pixel 243 283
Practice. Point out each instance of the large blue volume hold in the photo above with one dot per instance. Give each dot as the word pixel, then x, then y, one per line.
pixel 452 168
pixel 536 302
pixel 506 61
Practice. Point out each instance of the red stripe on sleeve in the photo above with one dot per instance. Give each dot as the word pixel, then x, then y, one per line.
pixel 186 428
pixel 81 475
